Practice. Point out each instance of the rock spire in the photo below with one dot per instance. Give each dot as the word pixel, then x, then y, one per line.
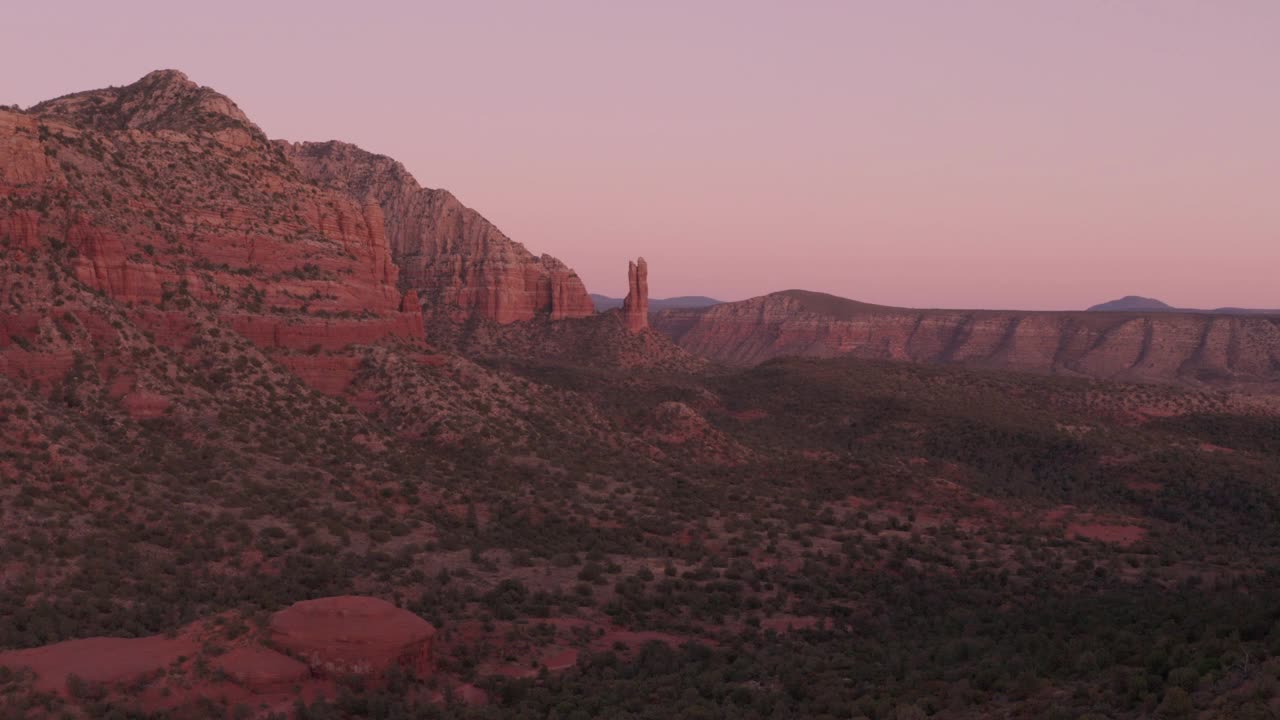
pixel 635 308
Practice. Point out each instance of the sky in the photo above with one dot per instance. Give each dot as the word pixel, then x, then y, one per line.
pixel 978 154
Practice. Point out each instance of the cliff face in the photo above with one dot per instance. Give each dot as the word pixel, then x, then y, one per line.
pixel 458 262
pixel 1161 347
pixel 162 199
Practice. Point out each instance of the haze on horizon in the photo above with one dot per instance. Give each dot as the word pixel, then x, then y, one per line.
pixel 980 154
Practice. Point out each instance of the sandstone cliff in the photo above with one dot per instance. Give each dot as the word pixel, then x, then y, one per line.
pixel 458 262
pixel 162 198
pixel 1158 347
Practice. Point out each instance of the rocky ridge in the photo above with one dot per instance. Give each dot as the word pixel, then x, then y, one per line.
pixel 1144 347
pixel 163 199
pixel 459 263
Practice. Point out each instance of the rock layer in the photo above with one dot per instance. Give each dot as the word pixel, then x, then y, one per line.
pixel 1162 347
pixel 635 307
pixel 458 262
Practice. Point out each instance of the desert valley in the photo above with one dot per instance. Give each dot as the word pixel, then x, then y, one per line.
pixel 285 434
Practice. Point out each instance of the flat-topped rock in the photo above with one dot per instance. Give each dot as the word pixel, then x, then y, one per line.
pixel 101 660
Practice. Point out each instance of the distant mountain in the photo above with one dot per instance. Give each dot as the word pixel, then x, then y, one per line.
pixel 1137 303
pixel 684 302
pixel 1134 303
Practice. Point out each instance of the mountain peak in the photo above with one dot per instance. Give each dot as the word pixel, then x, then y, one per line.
pixel 160 100
pixel 166 76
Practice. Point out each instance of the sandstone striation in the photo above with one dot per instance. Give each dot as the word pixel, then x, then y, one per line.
pixel 458 262
pixel 635 307
pixel 1159 347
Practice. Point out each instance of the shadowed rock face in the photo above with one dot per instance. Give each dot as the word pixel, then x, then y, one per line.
pixel 456 260
pixel 635 307
pixel 1161 347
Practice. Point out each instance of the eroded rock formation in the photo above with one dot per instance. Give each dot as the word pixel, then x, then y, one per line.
pixel 459 263
pixel 635 307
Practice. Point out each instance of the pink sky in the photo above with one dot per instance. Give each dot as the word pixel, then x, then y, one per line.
pixel 958 154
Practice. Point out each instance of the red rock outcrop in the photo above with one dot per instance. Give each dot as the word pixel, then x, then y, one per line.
pixel 635 307
pixel 162 196
pixel 1160 347
pixel 456 260
pixel 341 636
pixel 337 637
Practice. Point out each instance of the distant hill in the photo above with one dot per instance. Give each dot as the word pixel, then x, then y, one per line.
pixel 1133 303
pixel 1137 303
pixel 684 302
